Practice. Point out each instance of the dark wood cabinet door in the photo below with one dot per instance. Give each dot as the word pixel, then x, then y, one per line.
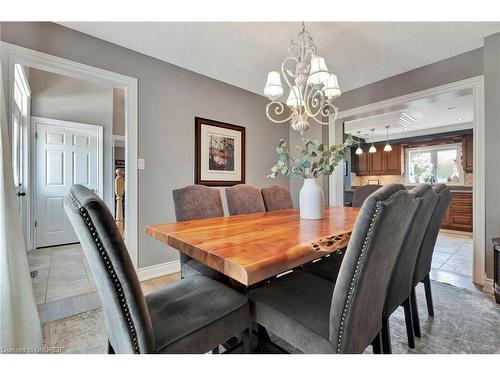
pixel 362 167
pixel 377 162
pixel 459 213
pixel 393 161
pixel 467 153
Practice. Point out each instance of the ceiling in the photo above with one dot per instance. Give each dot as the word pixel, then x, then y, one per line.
pixel 241 53
pixel 441 113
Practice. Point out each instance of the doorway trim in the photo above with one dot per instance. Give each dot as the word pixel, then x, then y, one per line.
pixel 478 196
pixel 39 60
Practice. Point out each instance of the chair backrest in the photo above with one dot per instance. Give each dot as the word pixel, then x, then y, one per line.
pixel 359 293
pixel 277 198
pixel 244 199
pixel 196 202
pixel 363 192
pixel 127 317
pixel 401 281
pixel 424 258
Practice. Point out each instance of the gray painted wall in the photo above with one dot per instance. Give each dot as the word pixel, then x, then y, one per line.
pixel 456 68
pixel 492 130
pixel 169 99
pixel 63 98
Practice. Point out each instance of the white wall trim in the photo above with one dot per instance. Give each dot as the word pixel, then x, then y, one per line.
pixel 158 270
pixel 488 286
pixel 479 214
pixel 58 65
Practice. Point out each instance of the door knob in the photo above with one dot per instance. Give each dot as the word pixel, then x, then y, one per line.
pixel 21 194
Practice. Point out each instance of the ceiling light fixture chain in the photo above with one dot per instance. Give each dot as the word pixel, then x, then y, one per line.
pixel 312 88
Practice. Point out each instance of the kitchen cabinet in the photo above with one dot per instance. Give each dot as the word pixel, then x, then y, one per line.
pixel 467 153
pixel 378 163
pixel 459 213
pixel 361 166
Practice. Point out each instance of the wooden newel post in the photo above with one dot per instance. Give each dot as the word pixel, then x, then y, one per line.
pixel 119 190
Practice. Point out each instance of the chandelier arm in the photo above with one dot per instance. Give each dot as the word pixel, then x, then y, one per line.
pixel 325 112
pixel 287 77
pixel 312 99
pixel 278 110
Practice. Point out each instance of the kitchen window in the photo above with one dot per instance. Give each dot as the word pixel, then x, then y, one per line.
pixel 435 164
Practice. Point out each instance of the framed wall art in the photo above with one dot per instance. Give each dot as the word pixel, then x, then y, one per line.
pixel 219 153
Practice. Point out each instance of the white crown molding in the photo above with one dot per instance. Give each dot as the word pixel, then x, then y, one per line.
pixel 428 131
pixel 158 270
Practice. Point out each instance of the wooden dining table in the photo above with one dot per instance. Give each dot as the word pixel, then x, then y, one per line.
pixel 255 247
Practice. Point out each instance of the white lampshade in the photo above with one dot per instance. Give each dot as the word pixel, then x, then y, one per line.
pixel 273 89
pixel 359 151
pixel 319 73
pixel 292 100
pixel 332 89
pixel 387 147
pixel 372 149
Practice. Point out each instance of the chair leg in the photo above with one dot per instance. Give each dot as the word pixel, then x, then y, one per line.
pixel 409 323
pixel 386 336
pixel 428 295
pixel 247 340
pixel 377 344
pixel 110 349
pixel 414 314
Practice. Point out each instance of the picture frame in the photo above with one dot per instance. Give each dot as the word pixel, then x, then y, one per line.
pixel 219 153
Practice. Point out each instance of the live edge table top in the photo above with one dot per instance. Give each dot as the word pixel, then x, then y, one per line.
pixel 255 247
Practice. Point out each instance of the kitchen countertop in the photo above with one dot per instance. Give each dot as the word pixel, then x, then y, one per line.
pixel 453 189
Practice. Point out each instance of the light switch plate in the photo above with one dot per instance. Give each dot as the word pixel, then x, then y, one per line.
pixel 140 164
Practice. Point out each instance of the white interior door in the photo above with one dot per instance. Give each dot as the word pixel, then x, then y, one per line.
pixel 66 154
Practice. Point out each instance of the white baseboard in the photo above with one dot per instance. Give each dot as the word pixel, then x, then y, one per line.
pixel 488 285
pixel 162 269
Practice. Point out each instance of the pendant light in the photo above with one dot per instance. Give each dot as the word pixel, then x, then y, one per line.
pixel 387 146
pixel 372 147
pixel 359 150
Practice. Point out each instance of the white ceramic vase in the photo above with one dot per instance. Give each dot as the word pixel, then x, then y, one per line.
pixel 311 200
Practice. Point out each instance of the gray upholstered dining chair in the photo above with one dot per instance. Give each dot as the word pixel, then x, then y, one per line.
pixel 363 192
pixel 424 257
pixel 400 284
pixel 276 198
pixel 244 199
pixel 328 267
pixel 195 202
pixel 193 315
pixel 317 316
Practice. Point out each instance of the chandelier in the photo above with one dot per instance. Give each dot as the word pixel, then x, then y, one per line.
pixel 312 88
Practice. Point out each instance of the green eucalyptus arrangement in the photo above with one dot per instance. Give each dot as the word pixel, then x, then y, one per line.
pixel 315 159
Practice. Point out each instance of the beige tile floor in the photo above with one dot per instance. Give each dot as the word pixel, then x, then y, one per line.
pixel 64 285
pixel 453 253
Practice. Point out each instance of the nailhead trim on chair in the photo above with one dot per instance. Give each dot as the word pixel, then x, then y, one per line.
pixel 111 271
pixel 354 280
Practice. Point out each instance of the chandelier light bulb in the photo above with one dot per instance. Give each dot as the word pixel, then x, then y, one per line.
pixel 359 150
pixel 372 147
pixel 292 100
pixel 319 73
pixel 387 146
pixel 273 89
pixel 332 89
